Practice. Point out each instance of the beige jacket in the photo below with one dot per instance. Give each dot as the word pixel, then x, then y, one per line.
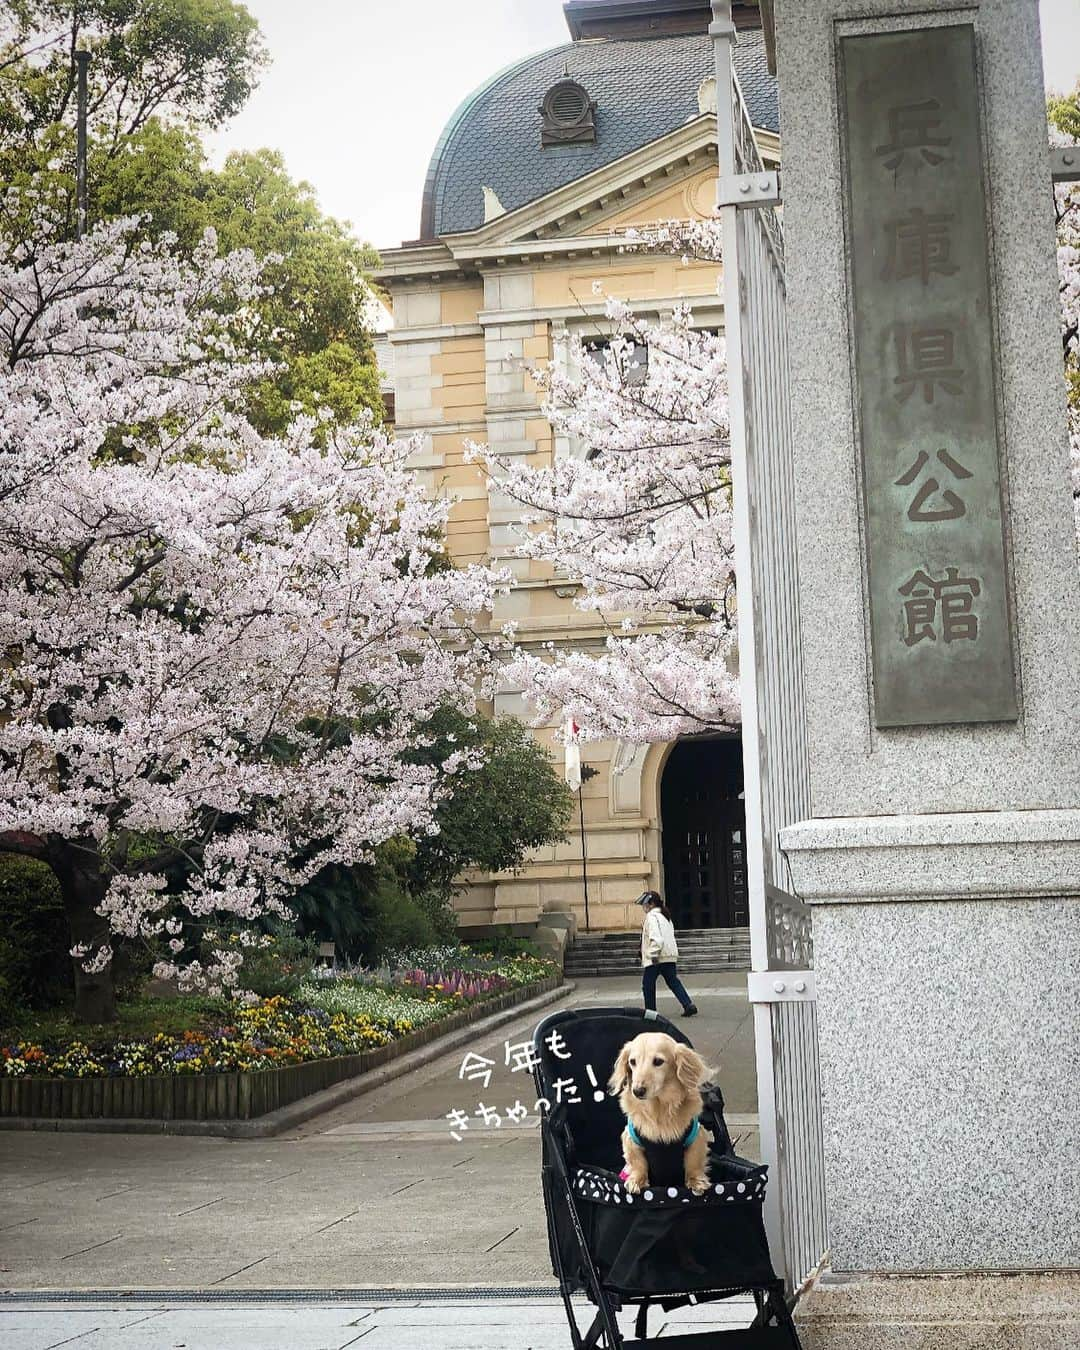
pixel 657 939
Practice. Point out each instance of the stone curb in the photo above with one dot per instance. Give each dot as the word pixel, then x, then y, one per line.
pixel 276 1122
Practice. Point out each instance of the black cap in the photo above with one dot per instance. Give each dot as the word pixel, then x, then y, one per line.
pixel 646 896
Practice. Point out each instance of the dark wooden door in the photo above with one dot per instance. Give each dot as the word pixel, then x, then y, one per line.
pixel 704 835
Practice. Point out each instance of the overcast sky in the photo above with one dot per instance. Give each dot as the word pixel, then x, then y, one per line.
pixel 360 90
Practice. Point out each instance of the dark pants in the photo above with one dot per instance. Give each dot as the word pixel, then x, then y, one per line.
pixel 649 976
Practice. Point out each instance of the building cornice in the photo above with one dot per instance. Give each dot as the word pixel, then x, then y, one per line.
pixel 414 261
pixel 646 18
pixel 708 309
pixel 552 228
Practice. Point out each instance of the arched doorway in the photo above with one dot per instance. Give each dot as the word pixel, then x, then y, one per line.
pixel 704 833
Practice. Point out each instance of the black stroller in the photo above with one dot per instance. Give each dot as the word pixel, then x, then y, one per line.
pixel 667 1246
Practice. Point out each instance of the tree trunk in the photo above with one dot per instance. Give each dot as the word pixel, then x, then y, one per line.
pixel 83 888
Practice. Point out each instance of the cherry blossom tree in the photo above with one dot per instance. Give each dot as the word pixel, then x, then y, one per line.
pixel 642 520
pixel 218 647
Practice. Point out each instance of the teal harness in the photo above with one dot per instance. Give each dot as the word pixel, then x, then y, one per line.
pixel 687 1139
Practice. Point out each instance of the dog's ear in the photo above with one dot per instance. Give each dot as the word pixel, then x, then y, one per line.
pixel 621 1071
pixel 690 1069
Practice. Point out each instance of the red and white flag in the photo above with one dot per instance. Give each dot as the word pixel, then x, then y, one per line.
pixel 572 769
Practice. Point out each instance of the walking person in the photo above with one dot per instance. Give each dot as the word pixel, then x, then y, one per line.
pixel 659 953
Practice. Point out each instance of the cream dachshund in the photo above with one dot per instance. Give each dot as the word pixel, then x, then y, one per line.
pixel 657 1081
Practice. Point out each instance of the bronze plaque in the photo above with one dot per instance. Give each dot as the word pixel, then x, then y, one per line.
pixel 926 378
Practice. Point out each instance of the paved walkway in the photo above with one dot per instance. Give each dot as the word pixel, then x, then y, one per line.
pixel 375 1193
pixel 464 1324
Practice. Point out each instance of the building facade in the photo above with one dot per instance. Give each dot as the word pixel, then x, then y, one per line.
pixel 527 200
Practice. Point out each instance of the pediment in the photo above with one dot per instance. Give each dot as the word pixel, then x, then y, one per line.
pixel 672 178
pixel 655 181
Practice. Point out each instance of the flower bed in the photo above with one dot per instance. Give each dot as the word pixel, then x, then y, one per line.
pixel 214 1092
pixel 330 1017
pixel 272 1033
pixel 242 1060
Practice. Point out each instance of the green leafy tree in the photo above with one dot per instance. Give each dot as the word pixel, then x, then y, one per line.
pixel 514 802
pixel 1063 110
pixel 368 911
pixel 162 71
pixel 315 320
pixel 194 61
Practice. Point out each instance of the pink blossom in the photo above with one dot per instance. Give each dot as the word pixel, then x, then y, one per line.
pixel 219 645
pixel 641 517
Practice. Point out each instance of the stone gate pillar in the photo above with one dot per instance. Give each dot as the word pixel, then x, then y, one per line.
pixel 940 616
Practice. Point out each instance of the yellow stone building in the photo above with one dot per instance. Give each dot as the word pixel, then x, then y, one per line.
pixel 527 199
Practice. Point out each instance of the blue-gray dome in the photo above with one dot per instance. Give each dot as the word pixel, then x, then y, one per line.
pixel 644 88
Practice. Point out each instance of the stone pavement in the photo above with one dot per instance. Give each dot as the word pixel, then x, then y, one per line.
pixel 375 1193
pixel 529 1323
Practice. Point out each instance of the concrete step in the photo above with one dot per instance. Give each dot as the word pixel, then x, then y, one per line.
pixel 629 972
pixel 733 961
pixel 685 949
pixel 721 959
pixel 692 944
pixel 618 948
pixel 700 949
pixel 681 933
pixel 632 962
pixel 685 954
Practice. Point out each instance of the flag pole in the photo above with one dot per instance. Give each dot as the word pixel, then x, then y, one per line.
pixel 587 772
pixel 584 856
pixel 576 774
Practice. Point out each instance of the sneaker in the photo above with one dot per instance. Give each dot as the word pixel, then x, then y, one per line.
pixel 691 1011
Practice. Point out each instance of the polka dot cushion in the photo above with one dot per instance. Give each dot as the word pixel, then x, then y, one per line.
pixel 605 1188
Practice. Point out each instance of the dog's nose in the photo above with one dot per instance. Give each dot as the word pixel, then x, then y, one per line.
pixel 639 1092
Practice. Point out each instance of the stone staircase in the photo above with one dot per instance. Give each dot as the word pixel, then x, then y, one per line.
pixel 620 953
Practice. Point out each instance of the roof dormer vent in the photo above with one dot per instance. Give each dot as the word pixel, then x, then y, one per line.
pixel 567 113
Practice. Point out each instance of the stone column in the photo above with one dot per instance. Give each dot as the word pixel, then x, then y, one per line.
pixel 942 861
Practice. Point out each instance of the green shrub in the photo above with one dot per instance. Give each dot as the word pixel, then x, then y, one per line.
pixel 493 816
pixel 490 819
pixel 501 942
pixel 280 967
pixel 35 965
pixel 365 911
pixel 35 944
pixel 439 909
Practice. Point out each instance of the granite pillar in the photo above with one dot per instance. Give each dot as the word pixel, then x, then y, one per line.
pixel 942 861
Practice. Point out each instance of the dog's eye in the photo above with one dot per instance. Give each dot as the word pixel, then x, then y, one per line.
pixel 633 1062
pixel 658 1062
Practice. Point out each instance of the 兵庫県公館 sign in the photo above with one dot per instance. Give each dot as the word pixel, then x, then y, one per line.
pixel 926 378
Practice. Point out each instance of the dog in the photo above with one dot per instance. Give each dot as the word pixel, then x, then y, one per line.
pixel 658 1083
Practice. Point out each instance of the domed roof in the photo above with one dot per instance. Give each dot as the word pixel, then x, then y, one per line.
pixel 644 87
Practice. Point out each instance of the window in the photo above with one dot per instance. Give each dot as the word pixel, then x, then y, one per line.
pixel 633 359
pixel 567 113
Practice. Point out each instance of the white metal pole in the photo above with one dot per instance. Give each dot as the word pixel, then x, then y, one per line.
pixel 723 34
